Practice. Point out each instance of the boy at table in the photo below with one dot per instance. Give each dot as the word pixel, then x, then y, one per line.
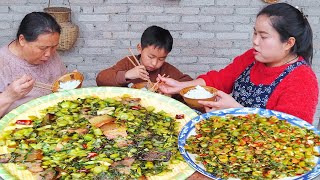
pixel 156 44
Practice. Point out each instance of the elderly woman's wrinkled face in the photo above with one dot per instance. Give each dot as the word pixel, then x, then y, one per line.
pixel 40 50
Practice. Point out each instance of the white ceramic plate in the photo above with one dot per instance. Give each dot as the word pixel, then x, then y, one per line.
pixel 189 129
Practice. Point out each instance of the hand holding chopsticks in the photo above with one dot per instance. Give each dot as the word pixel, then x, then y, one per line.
pixel 156 85
pixel 138 64
pixel 17 89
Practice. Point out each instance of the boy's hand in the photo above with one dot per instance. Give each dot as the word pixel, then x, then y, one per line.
pixel 137 72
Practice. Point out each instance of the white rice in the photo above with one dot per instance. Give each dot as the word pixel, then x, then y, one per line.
pixel 198 93
pixel 68 85
pixel 130 85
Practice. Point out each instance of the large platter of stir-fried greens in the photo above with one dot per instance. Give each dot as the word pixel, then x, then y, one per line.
pixel 94 133
pixel 251 143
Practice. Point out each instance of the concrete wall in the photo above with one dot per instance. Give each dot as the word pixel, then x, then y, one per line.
pixel 208 34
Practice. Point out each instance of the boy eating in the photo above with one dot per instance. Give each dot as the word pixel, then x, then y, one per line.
pixel 156 44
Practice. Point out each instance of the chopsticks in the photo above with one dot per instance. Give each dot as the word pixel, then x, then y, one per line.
pixel 134 57
pixel 136 60
pixel 155 85
pixel 43 85
pixel 131 61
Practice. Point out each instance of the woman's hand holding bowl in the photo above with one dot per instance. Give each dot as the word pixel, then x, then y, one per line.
pixel 223 101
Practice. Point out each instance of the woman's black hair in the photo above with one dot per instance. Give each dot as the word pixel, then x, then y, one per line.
pixel 158 37
pixel 289 21
pixel 36 23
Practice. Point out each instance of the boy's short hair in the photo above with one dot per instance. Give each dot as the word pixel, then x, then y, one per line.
pixel 158 37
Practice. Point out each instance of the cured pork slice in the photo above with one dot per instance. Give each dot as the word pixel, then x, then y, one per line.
pixel 99 121
pixel 113 130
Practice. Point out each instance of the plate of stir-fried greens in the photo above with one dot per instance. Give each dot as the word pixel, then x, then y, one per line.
pixel 251 143
pixel 94 133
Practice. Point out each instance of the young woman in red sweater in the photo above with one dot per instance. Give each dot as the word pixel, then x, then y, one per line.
pixel 275 74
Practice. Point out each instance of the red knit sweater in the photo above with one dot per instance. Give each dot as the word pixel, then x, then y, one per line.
pixel 296 94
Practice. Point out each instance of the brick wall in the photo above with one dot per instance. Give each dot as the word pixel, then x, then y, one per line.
pixel 208 34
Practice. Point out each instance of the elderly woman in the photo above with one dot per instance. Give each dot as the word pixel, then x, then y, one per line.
pixel 30 57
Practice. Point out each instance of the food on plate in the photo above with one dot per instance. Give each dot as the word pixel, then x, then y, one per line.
pixel 253 147
pixel 67 85
pixel 198 93
pixel 93 138
pixel 145 86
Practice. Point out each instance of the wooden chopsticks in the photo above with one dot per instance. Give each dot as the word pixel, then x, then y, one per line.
pixel 43 85
pixel 156 85
pixel 136 60
pixel 134 57
pixel 131 61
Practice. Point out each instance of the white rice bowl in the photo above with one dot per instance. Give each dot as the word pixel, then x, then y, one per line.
pixel 198 93
pixel 73 84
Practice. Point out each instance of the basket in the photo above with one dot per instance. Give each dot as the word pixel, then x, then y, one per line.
pixel 69 31
pixel 68 36
pixel 271 1
pixel 61 14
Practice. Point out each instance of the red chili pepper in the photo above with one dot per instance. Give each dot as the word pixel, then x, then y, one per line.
pixel 198 135
pixel 92 154
pixel 24 122
pixel 135 107
pixel 204 162
pixel 179 116
pixel 85 146
pixel 282 130
pixel 257 144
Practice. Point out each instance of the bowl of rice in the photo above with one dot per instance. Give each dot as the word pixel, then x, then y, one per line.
pixel 192 94
pixel 68 81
